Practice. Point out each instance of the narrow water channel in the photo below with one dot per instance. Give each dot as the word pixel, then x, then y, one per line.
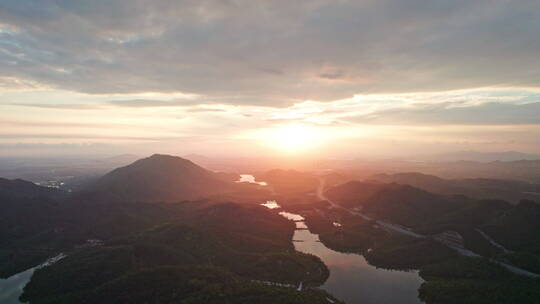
pixel 12 287
pixel 352 279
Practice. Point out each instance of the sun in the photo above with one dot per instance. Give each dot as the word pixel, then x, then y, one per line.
pixel 292 138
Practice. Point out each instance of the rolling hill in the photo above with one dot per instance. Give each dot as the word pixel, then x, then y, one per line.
pixel 22 189
pixel 479 188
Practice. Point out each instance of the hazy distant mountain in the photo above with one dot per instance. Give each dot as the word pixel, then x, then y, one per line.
pixel 198 158
pixel 159 178
pixel 122 159
pixel 524 170
pixel 481 188
pixel 289 181
pixel 18 188
pixel 483 156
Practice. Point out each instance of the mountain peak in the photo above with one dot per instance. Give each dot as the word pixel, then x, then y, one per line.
pixel 164 157
pixel 159 177
pixel 165 162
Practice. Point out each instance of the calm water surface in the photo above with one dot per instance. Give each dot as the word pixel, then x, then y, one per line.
pixel 248 178
pixel 352 279
pixel 12 287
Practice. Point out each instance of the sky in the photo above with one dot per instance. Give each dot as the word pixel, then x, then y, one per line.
pixel 331 78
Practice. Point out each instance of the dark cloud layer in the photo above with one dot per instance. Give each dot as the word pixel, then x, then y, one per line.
pixel 270 52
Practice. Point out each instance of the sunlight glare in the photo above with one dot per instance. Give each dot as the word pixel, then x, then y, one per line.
pixel 293 138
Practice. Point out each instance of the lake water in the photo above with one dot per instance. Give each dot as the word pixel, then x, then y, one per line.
pixel 352 279
pixel 248 178
pixel 271 205
pixel 12 287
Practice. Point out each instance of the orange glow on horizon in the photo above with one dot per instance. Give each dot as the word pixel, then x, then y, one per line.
pixel 293 138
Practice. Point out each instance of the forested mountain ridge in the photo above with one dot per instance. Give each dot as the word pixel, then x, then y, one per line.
pixel 479 188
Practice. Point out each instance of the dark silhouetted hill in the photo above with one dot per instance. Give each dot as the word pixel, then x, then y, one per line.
pixel 486 188
pixel 470 216
pixel 518 228
pixel 248 243
pixel 354 193
pixel 410 206
pixel 480 188
pixel 401 204
pixel 162 178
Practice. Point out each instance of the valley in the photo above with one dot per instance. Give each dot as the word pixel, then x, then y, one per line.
pixel 352 278
pixel 317 238
pixel 269 152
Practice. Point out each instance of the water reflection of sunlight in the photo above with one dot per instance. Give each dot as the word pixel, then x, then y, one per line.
pixel 271 205
pixel 292 216
pixel 352 278
pixel 248 178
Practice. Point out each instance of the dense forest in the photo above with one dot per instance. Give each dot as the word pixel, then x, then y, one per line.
pixel 217 250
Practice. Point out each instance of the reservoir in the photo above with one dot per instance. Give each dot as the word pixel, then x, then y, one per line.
pixel 12 287
pixel 352 279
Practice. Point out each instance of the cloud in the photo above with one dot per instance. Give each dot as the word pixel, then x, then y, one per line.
pixel 21 136
pixel 271 53
pixel 491 113
pixel 202 110
pixel 199 100
pixel 150 103
pixel 57 106
pixel 67 124
pixel 16 84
